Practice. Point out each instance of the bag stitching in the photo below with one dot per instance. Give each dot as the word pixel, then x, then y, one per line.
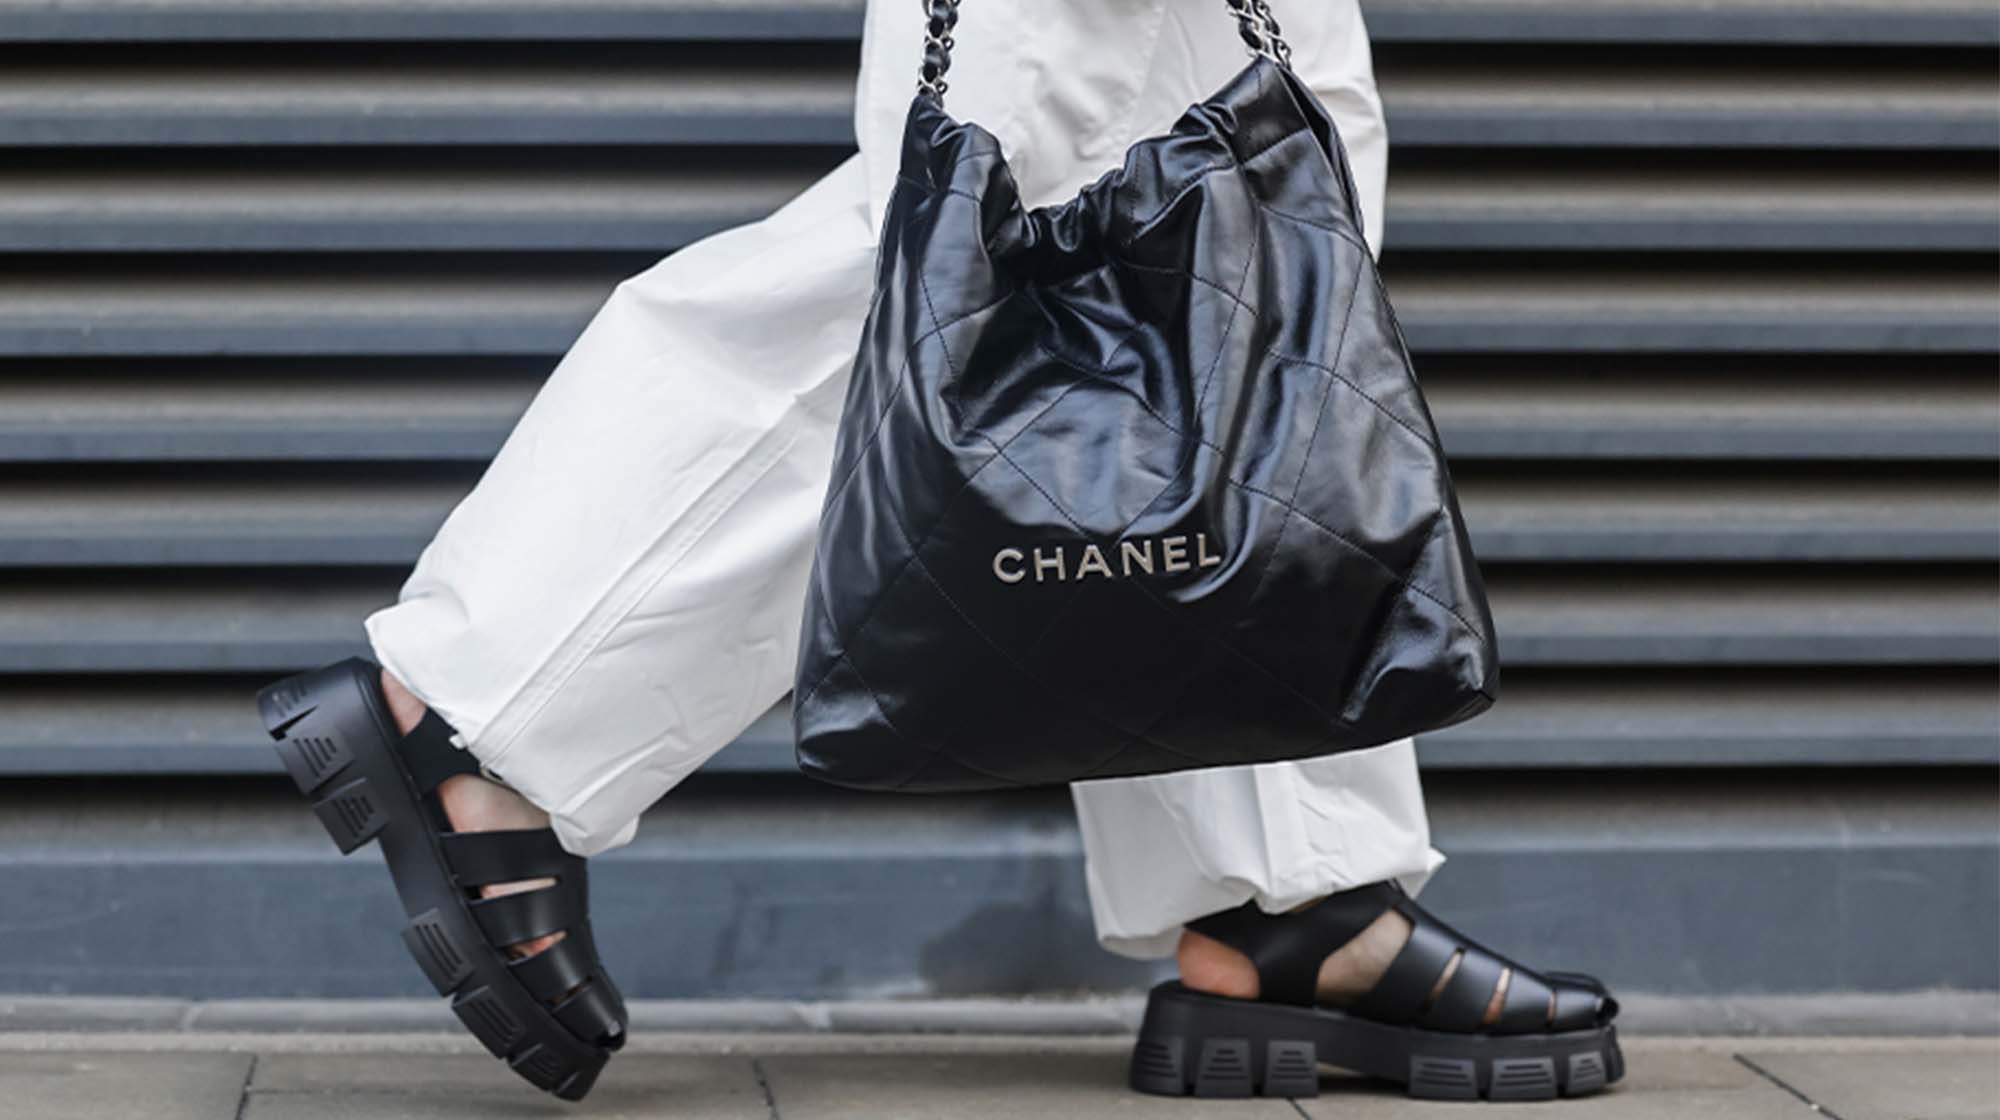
pixel 1222 345
pixel 945 511
pixel 1337 231
pixel 902 381
pixel 958 412
pixel 1305 461
pixel 1186 462
pixel 943 182
pixel 1278 542
pixel 917 547
pixel 1202 174
pixel 937 329
pixel 1229 328
pixel 1322 367
pixel 1029 675
pixel 936 190
pixel 1145 735
pixel 902 372
pixel 1207 639
pixel 1290 507
pixel 1131 738
pixel 1143 228
pixel 1253 488
pixel 915 559
pixel 1145 732
pixel 1403 581
pixel 1221 348
pixel 933 752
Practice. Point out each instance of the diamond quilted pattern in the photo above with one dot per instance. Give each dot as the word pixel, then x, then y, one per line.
pixel 1136 483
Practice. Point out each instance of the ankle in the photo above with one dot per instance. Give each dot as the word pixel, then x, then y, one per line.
pixel 474 804
pixel 1348 971
pixel 1209 966
pixel 404 707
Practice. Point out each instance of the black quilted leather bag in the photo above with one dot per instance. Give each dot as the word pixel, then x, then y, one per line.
pixel 1136 483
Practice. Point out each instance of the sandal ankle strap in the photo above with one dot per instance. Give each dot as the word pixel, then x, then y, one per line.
pixel 1288 950
pixel 431 754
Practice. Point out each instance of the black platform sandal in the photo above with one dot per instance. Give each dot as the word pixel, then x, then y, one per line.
pixel 1553 1035
pixel 555 1016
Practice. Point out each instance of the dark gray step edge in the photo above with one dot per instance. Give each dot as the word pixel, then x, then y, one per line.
pixel 1974 541
pixel 1413 126
pixel 1876 24
pixel 471 442
pixel 1466 748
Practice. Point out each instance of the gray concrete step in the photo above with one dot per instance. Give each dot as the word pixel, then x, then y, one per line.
pixel 1934 1013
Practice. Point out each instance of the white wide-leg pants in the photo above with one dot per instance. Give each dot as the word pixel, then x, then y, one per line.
pixel 621 595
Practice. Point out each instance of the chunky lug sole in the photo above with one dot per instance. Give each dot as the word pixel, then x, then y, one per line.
pixel 338 743
pixel 1211 1046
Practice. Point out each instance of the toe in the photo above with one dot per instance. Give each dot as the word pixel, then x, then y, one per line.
pixel 1579 1008
pixel 1604 1007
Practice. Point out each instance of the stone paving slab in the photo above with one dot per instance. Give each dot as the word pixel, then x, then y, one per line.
pixel 1945 1081
pixel 931 1086
pixel 366 1086
pixel 176 1075
pixel 89 1086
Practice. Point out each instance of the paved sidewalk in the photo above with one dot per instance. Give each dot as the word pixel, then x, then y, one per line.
pixel 202 1076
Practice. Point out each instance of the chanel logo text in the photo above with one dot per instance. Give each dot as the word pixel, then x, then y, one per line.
pixel 1055 564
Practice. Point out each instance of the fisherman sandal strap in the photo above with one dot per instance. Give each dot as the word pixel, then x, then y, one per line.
pixel 510 919
pixel 565 977
pixel 432 755
pixel 555 972
pixel 1288 949
pixel 479 859
pixel 555 1016
pixel 595 1011
pixel 1440 980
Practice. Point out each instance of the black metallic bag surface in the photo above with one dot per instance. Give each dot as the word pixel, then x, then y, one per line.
pixel 1136 483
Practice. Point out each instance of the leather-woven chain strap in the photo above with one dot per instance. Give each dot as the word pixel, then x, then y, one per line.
pixel 1254 22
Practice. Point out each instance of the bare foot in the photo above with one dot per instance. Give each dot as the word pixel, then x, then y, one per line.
pixel 1347 974
pixel 473 804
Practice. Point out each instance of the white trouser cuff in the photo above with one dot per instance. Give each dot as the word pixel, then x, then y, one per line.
pixel 1162 851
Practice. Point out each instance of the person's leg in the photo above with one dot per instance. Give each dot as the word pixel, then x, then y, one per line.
pixel 1283 890
pixel 1286 833
pixel 619 596
pixel 1162 853
pixel 616 600
pixel 622 593
pixel 1165 850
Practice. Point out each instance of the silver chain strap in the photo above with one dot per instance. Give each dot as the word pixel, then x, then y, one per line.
pixel 1254 22
pixel 1260 30
pixel 940 16
pixel 1274 36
